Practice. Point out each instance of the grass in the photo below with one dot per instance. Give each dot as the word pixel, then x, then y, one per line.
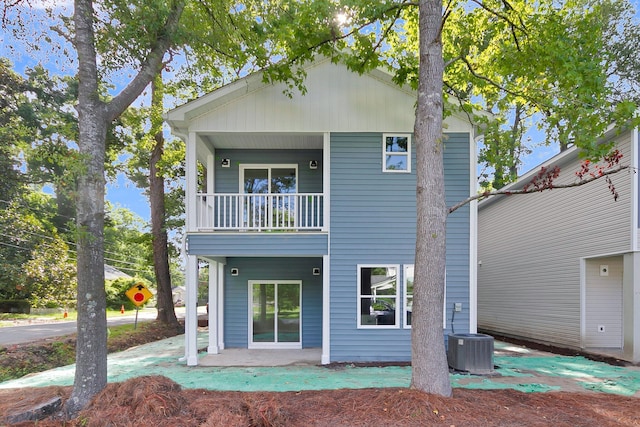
pixel 23 359
pixel 115 332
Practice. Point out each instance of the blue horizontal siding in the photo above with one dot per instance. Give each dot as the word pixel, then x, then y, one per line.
pixel 236 301
pixel 257 244
pixel 227 180
pixel 457 182
pixel 373 221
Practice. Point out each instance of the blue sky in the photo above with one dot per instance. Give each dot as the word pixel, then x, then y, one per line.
pixel 123 192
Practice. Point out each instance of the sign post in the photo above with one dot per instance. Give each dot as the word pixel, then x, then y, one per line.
pixel 138 294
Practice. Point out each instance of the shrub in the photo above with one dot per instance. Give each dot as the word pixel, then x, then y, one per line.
pixel 116 292
pixel 15 306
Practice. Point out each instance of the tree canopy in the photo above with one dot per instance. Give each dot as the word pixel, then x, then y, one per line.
pixel 559 63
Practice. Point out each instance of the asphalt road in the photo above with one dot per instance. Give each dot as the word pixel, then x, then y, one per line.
pixel 10 335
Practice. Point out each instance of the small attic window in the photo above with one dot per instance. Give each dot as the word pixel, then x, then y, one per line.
pixel 396 152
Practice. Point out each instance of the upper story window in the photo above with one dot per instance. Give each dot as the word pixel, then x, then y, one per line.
pixel 396 152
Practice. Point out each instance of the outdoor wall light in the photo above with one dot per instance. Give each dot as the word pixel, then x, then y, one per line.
pixel 313 164
pixel 234 271
pixel 316 271
pixel 225 163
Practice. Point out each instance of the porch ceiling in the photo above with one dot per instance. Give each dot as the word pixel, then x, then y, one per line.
pixel 273 141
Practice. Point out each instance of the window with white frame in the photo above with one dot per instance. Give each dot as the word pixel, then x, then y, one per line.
pixel 396 152
pixel 407 287
pixel 408 294
pixel 378 296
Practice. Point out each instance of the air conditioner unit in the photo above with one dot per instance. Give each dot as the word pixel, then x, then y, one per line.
pixel 472 353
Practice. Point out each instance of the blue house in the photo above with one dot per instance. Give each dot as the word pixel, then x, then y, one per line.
pixel 303 208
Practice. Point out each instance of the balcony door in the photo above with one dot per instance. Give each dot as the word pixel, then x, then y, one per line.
pixel 275 314
pixel 272 200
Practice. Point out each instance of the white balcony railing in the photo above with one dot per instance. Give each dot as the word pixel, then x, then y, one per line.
pixel 260 212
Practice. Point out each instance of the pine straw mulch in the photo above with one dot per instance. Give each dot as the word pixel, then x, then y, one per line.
pixel 158 401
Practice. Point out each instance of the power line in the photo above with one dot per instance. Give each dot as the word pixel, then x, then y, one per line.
pixel 70 251
pixel 14 246
pixel 140 260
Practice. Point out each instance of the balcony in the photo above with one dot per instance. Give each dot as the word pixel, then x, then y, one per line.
pixel 260 212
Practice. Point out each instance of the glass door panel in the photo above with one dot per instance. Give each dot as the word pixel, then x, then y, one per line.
pixel 283 207
pixel 275 315
pixel 283 180
pixel 289 312
pixel 274 203
pixel 255 181
pixel 263 306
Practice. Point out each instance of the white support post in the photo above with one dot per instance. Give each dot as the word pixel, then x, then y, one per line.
pixel 191 300
pixel 473 240
pixel 191 312
pixel 211 168
pixel 326 311
pixel 326 180
pixel 212 314
pixel 220 310
pixel 191 187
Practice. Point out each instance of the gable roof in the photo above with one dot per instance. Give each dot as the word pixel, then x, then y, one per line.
pixel 337 100
pixel 112 273
pixel 560 159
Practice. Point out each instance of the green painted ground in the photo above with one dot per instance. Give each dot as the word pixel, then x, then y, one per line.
pixel 528 372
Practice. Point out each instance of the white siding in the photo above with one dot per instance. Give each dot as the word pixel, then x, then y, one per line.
pixel 603 319
pixel 530 246
pixel 335 101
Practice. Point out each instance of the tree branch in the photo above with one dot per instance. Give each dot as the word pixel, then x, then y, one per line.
pixel 149 67
pixel 10 4
pixel 507 192
pixel 61 33
pixel 512 24
pixel 355 30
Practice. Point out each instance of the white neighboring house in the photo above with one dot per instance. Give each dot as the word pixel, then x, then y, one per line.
pixel 112 273
pixel 562 267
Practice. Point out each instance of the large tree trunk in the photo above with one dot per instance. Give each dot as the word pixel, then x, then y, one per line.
pixel 430 370
pixel 91 345
pixel 94 116
pixel 166 310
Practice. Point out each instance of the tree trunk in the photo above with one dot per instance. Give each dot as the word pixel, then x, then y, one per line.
pixel 430 370
pixel 91 345
pixel 94 117
pixel 166 310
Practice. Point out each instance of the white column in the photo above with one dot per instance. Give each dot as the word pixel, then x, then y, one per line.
pixel 191 300
pixel 191 183
pixel 326 273
pixel 326 312
pixel 212 316
pixel 473 239
pixel 191 312
pixel 326 180
pixel 220 310
pixel 211 168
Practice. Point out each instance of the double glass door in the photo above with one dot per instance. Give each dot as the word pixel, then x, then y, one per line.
pixel 275 314
pixel 272 200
